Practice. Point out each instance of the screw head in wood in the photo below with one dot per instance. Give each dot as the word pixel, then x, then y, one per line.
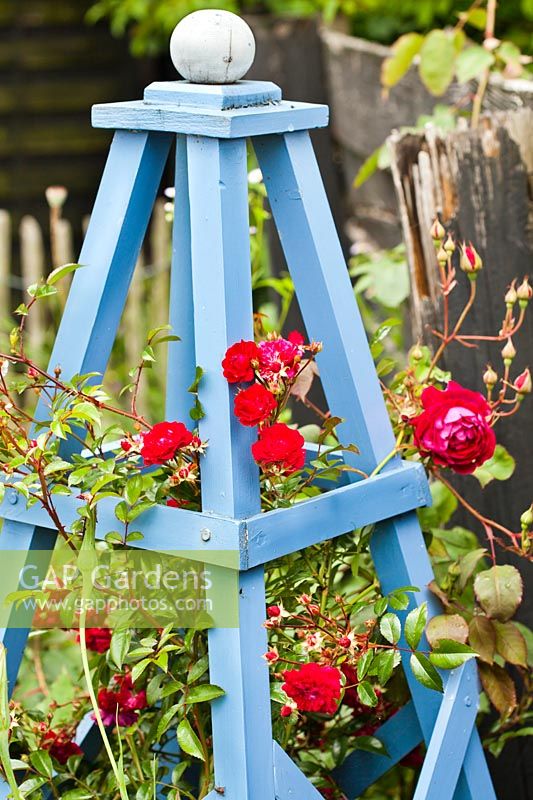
pixel 212 46
pixel 205 533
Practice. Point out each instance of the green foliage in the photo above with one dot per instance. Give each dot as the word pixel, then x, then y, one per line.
pixel 150 22
pixel 500 467
pixel 382 277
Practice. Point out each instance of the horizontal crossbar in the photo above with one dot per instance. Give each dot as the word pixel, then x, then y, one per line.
pixel 259 538
pixel 163 528
pixel 400 735
pixel 286 530
pixel 237 123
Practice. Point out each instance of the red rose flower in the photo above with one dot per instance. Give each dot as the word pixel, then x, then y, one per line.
pixel 278 358
pixel 173 503
pixel 254 405
pixel 237 363
pixel 121 704
pixel 454 428
pixel 296 338
pixel 60 746
pixel 279 448
pixel 163 441
pixel 313 687
pixel 97 639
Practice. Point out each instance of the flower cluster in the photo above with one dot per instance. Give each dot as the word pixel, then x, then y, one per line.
pixel 120 704
pixel 60 745
pixel 97 639
pixel 271 367
pixel 332 649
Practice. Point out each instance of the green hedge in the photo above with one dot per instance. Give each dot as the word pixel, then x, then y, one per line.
pixel 150 22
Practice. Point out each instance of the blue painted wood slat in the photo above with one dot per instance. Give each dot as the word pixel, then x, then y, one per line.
pixel 331 514
pixel 234 124
pixel 450 736
pixel 230 480
pixel 400 735
pixel 18 536
pixel 181 355
pixel 290 782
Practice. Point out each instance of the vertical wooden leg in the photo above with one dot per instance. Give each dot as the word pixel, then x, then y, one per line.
pixel 325 295
pixel 96 300
pixel 181 355
pixel 20 537
pixel 323 288
pixel 118 223
pixel 242 732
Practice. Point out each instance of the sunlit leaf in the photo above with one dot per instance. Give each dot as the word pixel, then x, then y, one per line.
pixel 499 591
pixel 447 626
pixel 500 467
pixel 425 672
pixel 437 61
pixel 188 740
pixel 396 65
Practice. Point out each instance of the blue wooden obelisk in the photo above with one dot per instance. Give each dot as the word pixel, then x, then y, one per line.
pixel 211 308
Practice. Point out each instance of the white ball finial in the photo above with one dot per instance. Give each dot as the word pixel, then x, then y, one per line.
pixel 212 47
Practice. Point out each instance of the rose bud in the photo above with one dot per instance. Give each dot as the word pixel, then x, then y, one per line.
pixel 273 611
pixel 490 377
pixel 286 711
pixel 511 296
pixel 508 353
pixel 449 245
pixel 344 641
pixel 272 656
pixel 470 261
pixel 524 293
pixel 522 384
pixel 416 354
pixel 526 520
pixel 442 256
pixel 437 231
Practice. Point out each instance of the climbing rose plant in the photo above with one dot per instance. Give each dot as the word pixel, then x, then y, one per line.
pixel 335 640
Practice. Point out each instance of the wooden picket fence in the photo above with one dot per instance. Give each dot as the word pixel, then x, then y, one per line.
pixel 42 250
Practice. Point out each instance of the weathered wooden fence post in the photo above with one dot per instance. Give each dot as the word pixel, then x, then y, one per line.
pixel 480 182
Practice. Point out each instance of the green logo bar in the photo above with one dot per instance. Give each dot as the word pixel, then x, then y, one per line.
pixel 126 588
